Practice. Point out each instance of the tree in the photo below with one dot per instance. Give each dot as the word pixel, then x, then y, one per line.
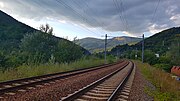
pixel 2 60
pixel 174 52
pixel 150 57
pixel 46 29
pixel 67 52
pixel 38 46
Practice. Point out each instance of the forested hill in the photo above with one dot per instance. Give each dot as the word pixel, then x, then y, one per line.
pixel 22 44
pixel 11 32
pixel 158 43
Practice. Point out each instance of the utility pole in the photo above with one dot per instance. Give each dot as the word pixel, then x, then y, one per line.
pixel 136 54
pixel 163 42
pixel 178 49
pixel 117 54
pixel 105 45
pixel 143 49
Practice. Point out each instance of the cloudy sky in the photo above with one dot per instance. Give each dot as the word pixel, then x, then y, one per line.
pixel 94 18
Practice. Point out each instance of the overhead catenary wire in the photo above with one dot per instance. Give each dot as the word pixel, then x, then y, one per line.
pixel 82 27
pixel 117 7
pixel 120 8
pixel 89 16
pixel 84 19
pixel 124 15
pixel 155 11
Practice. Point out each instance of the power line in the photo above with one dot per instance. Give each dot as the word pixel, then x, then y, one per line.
pixel 153 18
pixel 83 28
pixel 120 8
pixel 118 11
pixel 86 14
pixel 77 3
pixel 90 16
pixel 124 15
pixel 76 12
pixel 68 6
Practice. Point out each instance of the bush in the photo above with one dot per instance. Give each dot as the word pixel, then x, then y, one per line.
pixel 150 57
pixel 29 71
pixel 166 67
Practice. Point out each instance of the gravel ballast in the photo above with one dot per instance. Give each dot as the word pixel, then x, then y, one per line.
pixel 54 91
pixel 138 88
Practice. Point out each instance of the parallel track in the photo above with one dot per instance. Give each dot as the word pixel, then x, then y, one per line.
pixel 31 82
pixel 106 88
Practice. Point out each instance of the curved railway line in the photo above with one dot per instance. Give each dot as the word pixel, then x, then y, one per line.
pixel 114 83
pixel 9 87
pixel 114 86
pixel 32 81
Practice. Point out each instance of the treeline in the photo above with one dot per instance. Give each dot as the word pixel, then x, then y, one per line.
pixel 166 44
pixel 40 47
pixel 165 61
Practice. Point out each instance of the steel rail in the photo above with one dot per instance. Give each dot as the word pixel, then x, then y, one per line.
pixel 91 86
pixel 62 75
pixel 120 86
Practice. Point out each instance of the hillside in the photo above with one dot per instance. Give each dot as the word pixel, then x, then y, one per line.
pixel 21 43
pixel 11 32
pixel 159 43
pixel 94 44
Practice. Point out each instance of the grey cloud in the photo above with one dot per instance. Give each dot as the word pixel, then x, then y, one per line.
pixel 137 14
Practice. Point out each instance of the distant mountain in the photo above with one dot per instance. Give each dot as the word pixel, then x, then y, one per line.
pixel 158 43
pixel 94 44
pixel 12 32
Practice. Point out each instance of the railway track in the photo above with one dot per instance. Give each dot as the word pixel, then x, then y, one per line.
pixel 115 86
pixel 22 85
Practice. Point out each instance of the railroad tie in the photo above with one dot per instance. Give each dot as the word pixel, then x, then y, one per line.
pixel 47 84
pixel 125 92
pixel 10 93
pixel 93 97
pixel 7 86
pixel 100 91
pixel 31 88
pixel 16 84
pixel 39 86
pixel 22 90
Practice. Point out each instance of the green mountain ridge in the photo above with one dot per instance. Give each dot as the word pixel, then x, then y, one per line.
pixel 94 44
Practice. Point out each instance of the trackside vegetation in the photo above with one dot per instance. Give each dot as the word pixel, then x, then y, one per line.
pixel 167 88
pixel 24 71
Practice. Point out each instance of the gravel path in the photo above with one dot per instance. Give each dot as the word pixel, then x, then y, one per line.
pixel 55 90
pixel 137 91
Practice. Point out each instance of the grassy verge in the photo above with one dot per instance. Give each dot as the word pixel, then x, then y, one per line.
pixel 167 88
pixel 29 71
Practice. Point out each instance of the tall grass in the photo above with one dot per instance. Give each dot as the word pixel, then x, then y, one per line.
pixel 167 88
pixel 30 71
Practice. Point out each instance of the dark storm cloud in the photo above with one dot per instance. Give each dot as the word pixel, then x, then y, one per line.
pixel 134 16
